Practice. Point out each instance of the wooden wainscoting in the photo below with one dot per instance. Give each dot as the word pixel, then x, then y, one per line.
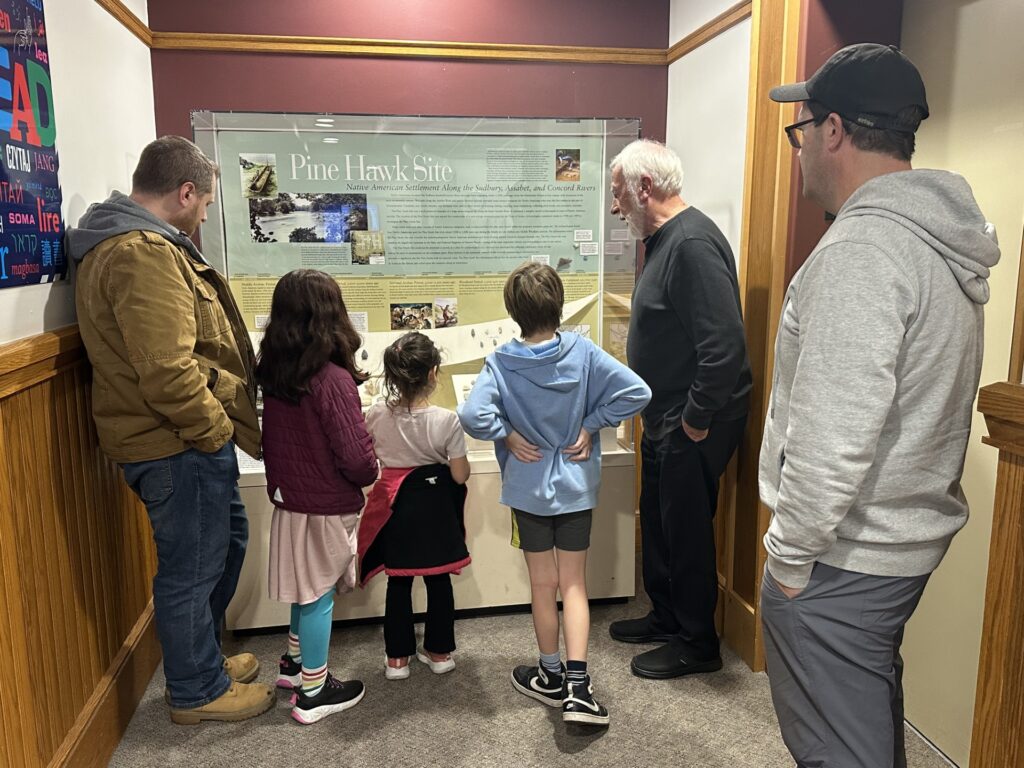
pixel 76 559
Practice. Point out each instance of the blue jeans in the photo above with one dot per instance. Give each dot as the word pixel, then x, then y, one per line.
pixel 200 530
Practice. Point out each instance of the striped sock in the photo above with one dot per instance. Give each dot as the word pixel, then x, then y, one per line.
pixel 313 680
pixel 552 663
pixel 576 672
pixel 293 648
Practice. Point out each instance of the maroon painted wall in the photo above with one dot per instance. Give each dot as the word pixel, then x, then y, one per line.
pixel 613 23
pixel 827 26
pixel 185 81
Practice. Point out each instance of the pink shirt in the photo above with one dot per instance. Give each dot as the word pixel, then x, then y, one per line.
pixel 416 438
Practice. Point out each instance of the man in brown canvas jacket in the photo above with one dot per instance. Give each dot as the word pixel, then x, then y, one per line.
pixel 173 394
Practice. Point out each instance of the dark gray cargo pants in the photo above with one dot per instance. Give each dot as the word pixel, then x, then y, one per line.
pixel 833 655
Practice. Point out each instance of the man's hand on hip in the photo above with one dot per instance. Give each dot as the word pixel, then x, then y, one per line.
pixel 694 434
pixel 789 592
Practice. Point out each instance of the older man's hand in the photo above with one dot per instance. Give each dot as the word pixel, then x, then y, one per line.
pixel 694 434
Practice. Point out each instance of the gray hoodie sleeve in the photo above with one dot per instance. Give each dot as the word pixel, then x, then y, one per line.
pixel 854 304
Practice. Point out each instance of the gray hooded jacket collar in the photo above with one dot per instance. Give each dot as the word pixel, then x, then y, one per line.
pixel 117 215
pixel 939 208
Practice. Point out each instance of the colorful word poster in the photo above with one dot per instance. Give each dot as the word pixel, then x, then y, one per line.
pixel 31 228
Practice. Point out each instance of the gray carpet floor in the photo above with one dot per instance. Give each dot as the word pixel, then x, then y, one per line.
pixel 472 717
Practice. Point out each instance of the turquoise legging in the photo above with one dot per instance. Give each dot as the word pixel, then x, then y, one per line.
pixel 312 624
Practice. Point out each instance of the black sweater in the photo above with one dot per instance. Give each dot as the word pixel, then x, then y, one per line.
pixel 686 333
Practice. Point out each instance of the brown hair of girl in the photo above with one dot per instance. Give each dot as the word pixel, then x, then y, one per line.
pixel 309 327
pixel 408 362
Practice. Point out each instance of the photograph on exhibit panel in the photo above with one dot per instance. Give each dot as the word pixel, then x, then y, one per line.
pixel 412 317
pixel 259 174
pixel 446 312
pixel 367 247
pixel 307 217
pixel 567 165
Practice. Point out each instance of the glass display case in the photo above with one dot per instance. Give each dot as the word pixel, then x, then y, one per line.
pixel 420 219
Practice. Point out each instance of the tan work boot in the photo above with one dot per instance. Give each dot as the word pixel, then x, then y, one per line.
pixel 241 668
pixel 240 702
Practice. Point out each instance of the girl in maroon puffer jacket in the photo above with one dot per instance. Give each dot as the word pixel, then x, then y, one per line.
pixel 318 457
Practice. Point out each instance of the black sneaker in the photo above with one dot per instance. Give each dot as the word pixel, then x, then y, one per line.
pixel 580 706
pixel 674 659
pixel 289 673
pixel 642 630
pixel 537 683
pixel 335 696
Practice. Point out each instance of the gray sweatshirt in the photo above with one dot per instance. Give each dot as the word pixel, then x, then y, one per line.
pixel 877 362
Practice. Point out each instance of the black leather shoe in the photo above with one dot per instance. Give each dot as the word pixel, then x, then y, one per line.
pixel 671 660
pixel 641 630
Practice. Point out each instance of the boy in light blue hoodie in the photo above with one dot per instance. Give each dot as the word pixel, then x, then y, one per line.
pixel 543 401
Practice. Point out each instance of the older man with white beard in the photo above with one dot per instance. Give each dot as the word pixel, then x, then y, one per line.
pixel 686 341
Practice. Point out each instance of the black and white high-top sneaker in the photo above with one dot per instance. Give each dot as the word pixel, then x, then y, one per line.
pixel 580 706
pixel 537 683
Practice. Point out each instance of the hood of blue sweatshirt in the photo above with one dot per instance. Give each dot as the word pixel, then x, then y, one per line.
pixel 548 366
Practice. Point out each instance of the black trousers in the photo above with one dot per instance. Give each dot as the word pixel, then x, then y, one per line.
pixel 678 496
pixel 399 635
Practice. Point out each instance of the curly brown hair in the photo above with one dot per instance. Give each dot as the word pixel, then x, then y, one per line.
pixel 309 327
pixel 408 362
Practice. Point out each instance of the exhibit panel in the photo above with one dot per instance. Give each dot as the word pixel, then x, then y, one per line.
pixel 420 219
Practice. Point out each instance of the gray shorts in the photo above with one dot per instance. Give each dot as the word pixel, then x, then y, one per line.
pixel 569 532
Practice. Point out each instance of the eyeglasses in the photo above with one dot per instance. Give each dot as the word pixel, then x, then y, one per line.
pixel 794 131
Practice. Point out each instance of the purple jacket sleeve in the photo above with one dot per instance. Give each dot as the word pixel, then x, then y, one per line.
pixel 336 402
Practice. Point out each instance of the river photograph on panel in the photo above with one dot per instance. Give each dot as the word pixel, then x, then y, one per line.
pixel 307 217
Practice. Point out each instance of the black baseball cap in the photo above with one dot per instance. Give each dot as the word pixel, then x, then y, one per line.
pixel 867 83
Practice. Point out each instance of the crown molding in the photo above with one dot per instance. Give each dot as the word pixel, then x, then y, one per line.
pixel 135 25
pixel 417 49
pixel 721 23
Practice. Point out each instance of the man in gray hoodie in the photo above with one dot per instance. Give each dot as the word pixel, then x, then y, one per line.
pixel 877 362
